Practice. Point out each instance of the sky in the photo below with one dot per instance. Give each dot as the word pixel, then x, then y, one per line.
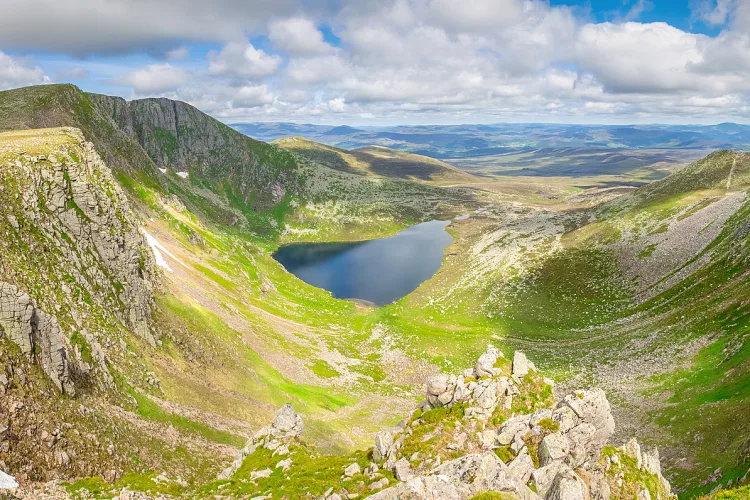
pixel 390 62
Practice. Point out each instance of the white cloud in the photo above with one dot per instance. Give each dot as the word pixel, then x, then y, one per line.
pixel 640 58
pixel 713 12
pixel 297 36
pixel 337 105
pixel 153 79
pixel 178 54
pixel 84 27
pixel 16 72
pixel 242 61
pixel 477 15
pixel 401 60
pixel 251 96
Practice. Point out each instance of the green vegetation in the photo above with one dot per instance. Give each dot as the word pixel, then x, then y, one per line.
pixel 237 336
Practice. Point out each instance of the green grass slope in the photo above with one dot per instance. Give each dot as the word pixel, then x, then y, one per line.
pixel 378 161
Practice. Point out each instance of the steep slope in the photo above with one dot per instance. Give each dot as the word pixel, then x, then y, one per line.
pixel 378 161
pixel 650 295
pixel 173 372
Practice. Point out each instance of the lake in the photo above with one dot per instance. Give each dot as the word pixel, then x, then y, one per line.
pixel 378 271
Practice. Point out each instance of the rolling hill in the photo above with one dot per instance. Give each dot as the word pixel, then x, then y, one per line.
pixel 378 161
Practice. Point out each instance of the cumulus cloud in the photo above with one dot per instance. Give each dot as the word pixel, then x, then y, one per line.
pixel 178 54
pixel 18 73
pixel 242 61
pixel 640 58
pixel 406 60
pixel 297 36
pixel 251 96
pixel 153 79
pixel 84 27
pixel 713 12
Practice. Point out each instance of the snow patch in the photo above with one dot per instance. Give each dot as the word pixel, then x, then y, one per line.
pixel 184 175
pixel 163 170
pixel 158 248
pixel 7 482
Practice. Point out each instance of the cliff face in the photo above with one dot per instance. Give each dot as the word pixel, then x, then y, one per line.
pixel 73 258
pixel 180 137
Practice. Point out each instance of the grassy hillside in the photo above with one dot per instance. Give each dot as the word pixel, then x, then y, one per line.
pixel 645 295
pixel 378 161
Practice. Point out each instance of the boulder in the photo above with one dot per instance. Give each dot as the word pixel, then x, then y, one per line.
pixel 517 426
pixel 402 470
pixel 352 470
pixel 543 477
pixel 591 408
pixel 521 364
pixel 383 446
pixel 567 486
pixel 521 467
pixel 486 362
pixel 553 447
pixel 425 488
pixel 288 421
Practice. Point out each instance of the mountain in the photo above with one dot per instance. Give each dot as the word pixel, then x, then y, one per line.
pixel 147 335
pixel 377 161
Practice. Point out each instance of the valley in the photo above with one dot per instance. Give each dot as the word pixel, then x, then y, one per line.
pixel 181 344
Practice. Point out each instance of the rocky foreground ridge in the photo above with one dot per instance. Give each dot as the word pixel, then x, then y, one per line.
pixel 496 427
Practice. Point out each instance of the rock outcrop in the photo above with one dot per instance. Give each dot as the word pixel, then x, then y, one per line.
pixel 69 223
pixel 555 452
pixel 37 334
pixel 285 428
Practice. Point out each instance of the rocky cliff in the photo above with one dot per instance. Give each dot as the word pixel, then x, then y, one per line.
pixel 180 137
pixel 76 282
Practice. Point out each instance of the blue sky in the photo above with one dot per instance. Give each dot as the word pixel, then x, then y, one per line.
pixel 396 61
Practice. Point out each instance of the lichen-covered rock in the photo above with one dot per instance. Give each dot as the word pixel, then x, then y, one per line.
pixel 37 334
pixel 287 421
pixel 520 364
pixel 567 439
pixel 567 486
pixel 383 446
pixel 486 362
pixel 287 425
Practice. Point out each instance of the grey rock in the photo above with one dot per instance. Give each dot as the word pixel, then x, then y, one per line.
pixel 521 467
pixel 521 364
pixel 516 426
pixel 543 477
pixel 553 447
pixel 425 488
pixel 352 470
pixel 383 446
pixel 30 328
pixel 567 486
pixel 260 474
pixel 486 362
pixel 379 484
pixel 403 470
pixel 288 421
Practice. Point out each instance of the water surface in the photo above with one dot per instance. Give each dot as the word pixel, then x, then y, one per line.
pixel 379 271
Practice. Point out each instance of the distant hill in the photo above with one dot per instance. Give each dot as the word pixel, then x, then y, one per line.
pixel 450 141
pixel 378 161
pixel 343 130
